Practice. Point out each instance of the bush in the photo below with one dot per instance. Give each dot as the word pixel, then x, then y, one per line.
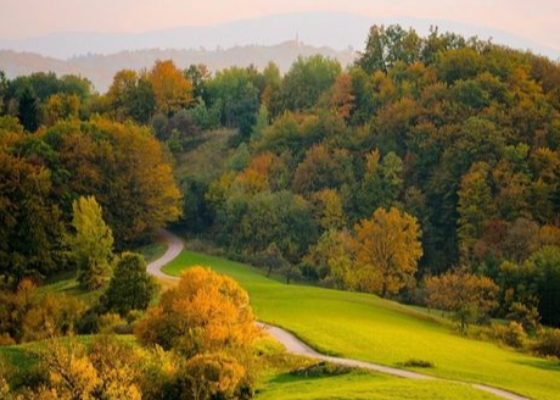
pixel 111 323
pixel 89 323
pixel 6 340
pixel 512 335
pixel 415 363
pixel 548 343
pixel 210 376
pixel 528 316
pixel 321 369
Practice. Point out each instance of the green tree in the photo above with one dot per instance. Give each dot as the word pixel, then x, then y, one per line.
pixel 382 184
pixel 130 288
pixel 306 81
pixel 262 122
pixel 332 259
pixel 387 46
pixel 546 264
pixel 199 75
pixel 92 243
pixel 28 110
pixel 475 207
pixel 236 93
pixel 131 95
pixel 31 225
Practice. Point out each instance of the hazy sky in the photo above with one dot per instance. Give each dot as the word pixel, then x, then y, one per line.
pixel 538 20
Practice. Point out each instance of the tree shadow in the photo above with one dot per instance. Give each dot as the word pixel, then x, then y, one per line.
pixel 547 365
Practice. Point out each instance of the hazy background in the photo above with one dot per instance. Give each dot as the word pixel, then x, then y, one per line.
pixel 97 38
pixel 536 21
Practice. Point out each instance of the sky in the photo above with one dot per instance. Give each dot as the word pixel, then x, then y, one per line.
pixel 537 20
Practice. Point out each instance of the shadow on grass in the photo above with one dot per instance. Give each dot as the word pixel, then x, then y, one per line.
pixel 547 365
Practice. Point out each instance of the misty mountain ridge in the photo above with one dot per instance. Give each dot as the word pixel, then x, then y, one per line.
pixel 278 38
pixel 335 30
pixel 100 69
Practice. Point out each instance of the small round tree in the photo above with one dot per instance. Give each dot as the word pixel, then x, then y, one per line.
pixel 131 288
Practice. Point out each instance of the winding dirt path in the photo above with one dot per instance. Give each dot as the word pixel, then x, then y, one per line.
pixel 296 346
pixel 174 248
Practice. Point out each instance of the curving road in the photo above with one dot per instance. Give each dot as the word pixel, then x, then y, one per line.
pixel 174 248
pixel 296 346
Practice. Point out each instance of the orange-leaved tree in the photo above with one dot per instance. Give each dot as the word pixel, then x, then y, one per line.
pixel 172 90
pixel 467 295
pixel 206 312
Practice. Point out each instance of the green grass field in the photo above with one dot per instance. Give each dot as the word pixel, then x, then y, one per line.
pixel 368 328
pixel 360 386
pixel 277 382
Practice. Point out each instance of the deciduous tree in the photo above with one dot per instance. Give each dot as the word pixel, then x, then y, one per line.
pixel 92 243
pixel 387 251
pixel 172 90
pixel 470 297
pixel 206 312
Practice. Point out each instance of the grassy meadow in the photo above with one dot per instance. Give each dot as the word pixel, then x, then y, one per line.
pixel 368 328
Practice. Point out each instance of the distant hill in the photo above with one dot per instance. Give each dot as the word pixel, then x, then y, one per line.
pixel 335 30
pixel 100 69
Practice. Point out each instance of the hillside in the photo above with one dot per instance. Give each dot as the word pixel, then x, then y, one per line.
pixel 365 327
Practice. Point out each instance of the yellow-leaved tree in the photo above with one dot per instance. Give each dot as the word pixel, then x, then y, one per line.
pixel 71 373
pixel 387 251
pixel 206 312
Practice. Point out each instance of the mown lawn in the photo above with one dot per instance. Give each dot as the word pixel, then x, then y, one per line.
pixel 368 328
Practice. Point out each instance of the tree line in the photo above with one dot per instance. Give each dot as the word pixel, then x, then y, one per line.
pixel 454 140
pixel 426 172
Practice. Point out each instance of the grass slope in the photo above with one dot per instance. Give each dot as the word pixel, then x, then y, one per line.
pixel 360 386
pixel 368 328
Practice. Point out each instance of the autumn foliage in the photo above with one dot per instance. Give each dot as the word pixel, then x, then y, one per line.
pixel 388 250
pixel 468 296
pixel 206 312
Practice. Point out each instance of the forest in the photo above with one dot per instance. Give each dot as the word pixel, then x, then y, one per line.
pixel 428 172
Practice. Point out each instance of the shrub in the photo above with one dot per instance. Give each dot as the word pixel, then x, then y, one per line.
pixel 210 376
pixel 548 343
pixel 528 316
pixel 415 363
pixel 321 369
pixel 111 323
pixel 6 340
pixel 512 335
